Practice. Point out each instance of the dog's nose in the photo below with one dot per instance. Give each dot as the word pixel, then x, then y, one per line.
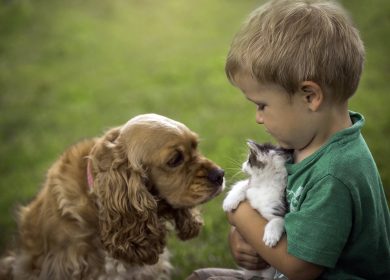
pixel 215 176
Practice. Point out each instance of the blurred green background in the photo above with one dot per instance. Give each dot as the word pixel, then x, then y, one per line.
pixel 71 69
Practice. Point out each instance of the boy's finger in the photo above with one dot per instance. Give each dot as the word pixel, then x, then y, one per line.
pixel 253 259
pixel 253 266
pixel 245 248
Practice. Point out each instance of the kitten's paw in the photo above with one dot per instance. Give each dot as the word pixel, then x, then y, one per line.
pixel 273 232
pixel 270 239
pixel 230 203
pixel 235 196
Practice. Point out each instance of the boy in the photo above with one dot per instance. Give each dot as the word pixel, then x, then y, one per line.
pixel 299 62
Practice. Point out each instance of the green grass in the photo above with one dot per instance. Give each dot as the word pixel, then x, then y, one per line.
pixel 71 69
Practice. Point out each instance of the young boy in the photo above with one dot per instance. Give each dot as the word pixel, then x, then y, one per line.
pixel 299 62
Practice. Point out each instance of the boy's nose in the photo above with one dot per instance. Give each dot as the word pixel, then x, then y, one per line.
pixel 259 118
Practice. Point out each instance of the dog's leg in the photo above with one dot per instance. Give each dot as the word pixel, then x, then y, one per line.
pixel 6 265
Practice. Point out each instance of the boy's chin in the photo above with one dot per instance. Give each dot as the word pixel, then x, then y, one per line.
pixel 285 146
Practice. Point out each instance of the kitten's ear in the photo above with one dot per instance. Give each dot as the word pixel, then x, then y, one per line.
pixel 264 148
pixel 252 145
pixel 286 153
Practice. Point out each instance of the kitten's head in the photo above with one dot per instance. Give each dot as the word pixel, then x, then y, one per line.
pixel 264 156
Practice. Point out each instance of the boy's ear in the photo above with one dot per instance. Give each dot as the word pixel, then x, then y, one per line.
pixel 312 94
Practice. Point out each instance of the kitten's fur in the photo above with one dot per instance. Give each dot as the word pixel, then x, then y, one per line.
pixel 265 188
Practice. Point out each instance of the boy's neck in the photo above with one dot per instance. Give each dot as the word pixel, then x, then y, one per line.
pixel 331 120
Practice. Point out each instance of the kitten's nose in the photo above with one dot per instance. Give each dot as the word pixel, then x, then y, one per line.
pixel 215 176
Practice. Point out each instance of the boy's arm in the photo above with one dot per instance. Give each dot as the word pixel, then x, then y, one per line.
pixel 243 253
pixel 250 225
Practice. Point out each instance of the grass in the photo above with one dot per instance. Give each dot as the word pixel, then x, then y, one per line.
pixel 69 70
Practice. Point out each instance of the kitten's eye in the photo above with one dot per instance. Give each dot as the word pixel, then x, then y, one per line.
pixel 176 160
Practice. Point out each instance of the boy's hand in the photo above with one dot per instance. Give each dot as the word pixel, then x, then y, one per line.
pixel 243 254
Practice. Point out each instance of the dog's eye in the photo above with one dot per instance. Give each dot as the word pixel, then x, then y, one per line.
pixel 194 145
pixel 176 160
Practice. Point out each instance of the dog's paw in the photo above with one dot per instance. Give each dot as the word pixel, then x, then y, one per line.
pixel 230 203
pixel 273 232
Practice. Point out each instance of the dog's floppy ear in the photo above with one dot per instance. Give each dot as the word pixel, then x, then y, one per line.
pixel 104 155
pixel 129 226
pixel 188 222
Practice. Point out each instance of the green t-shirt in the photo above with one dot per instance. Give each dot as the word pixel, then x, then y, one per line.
pixel 339 217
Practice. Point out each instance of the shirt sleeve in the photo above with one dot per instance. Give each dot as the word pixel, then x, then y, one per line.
pixel 319 229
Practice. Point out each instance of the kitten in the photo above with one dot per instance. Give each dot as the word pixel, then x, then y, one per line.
pixel 264 190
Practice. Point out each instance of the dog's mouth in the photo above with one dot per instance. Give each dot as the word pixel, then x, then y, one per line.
pixel 217 190
pixel 196 193
pixel 215 177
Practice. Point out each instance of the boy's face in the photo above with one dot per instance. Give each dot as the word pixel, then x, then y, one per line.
pixel 285 117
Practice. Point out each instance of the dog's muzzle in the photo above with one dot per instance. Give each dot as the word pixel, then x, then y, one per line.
pixel 215 176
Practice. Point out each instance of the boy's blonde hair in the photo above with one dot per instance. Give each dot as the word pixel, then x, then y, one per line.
pixel 287 42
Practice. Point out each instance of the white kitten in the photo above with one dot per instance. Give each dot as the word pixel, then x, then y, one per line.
pixel 264 190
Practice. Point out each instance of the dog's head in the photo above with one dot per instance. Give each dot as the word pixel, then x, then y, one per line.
pixel 148 159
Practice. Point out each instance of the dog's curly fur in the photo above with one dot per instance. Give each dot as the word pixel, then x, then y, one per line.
pixel 145 174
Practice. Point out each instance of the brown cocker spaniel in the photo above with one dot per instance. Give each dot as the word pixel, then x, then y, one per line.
pixel 104 209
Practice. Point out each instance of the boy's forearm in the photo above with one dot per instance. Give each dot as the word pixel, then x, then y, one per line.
pixel 251 225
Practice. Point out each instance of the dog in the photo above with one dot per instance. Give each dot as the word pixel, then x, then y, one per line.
pixel 108 203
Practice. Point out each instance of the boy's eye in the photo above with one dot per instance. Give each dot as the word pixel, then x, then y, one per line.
pixel 260 107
